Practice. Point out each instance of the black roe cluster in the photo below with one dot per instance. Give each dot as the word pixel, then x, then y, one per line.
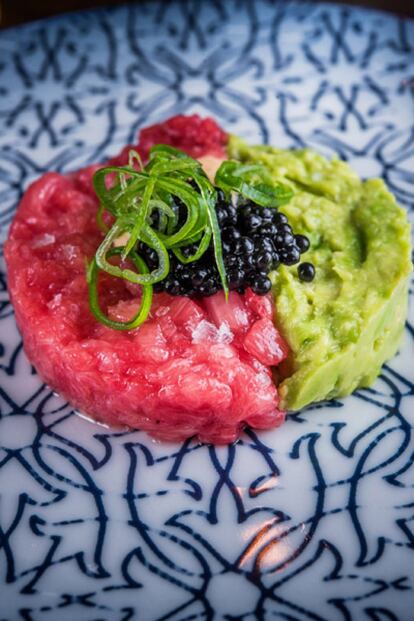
pixel 255 241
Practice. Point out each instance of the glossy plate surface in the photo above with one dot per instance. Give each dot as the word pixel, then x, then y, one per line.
pixel 314 521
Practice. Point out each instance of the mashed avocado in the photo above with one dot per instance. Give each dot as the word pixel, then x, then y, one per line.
pixel 348 321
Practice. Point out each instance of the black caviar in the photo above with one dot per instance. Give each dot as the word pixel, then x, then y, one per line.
pixel 255 241
pixel 306 272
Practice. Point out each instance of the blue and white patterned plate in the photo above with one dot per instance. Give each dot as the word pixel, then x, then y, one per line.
pixel 314 521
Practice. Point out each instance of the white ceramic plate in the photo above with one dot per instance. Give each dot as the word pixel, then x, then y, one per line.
pixel 314 521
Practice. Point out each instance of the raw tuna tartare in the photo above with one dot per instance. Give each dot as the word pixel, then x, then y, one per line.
pixel 150 296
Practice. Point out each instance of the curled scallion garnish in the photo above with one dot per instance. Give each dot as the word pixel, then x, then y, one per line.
pixel 132 195
pixel 167 205
pixel 146 300
pixel 253 182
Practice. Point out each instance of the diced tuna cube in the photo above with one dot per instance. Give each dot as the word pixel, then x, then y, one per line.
pixel 150 343
pixel 260 305
pixel 186 313
pixel 265 343
pixel 232 311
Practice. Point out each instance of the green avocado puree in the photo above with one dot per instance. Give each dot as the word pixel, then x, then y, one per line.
pixel 348 321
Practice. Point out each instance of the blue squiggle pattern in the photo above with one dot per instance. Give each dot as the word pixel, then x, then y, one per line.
pixel 314 521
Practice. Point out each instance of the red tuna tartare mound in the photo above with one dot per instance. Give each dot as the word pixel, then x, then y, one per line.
pixel 196 367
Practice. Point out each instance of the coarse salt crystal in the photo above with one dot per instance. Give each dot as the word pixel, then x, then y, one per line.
pixel 43 240
pixel 206 331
